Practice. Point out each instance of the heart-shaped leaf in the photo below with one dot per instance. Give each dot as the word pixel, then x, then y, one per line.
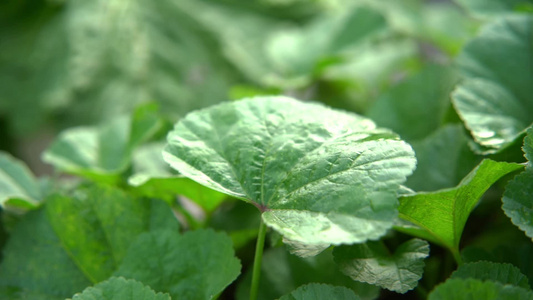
pixel 372 263
pixel 315 291
pixel 119 288
pixel 318 175
pixel 443 213
pixel 196 265
pixel 517 199
pixel 495 98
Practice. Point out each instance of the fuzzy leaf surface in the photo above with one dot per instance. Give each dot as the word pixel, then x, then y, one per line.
pixel 443 213
pixel 372 263
pixel 18 186
pixel 196 265
pixel 315 291
pixel 74 242
pixel 494 100
pixel 497 272
pixel 119 288
pixel 317 174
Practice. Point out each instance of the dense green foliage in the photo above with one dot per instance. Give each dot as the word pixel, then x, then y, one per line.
pixel 363 149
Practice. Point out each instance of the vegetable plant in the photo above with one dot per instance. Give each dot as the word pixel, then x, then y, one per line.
pixel 325 150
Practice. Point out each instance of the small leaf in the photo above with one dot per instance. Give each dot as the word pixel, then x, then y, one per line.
pixel 318 175
pixel 494 100
pixel 118 288
pixel 517 199
pixel 443 213
pixel 315 291
pixel 102 153
pixel 196 265
pixel 18 186
pixel 484 270
pixel 152 177
pixel 74 242
pixel 372 263
pixel 472 289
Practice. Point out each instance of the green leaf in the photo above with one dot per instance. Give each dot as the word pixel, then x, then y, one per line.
pixel 18 186
pixel 495 98
pixel 471 289
pixel 422 97
pixel 443 213
pixel 443 159
pixel 517 199
pixel 315 291
pixel 517 254
pixel 118 288
pixel 484 270
pixel 102 153
pixel 153 177
pixel 196 265
pixel 372 263
pixel 518 202
pixel 318 175
pixel 493 8
pixel 282 273
pixel 73 242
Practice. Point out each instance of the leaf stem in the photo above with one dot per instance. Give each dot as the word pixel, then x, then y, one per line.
pixel 254 290
pixel 457 256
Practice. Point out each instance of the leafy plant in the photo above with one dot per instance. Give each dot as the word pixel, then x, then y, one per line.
pixel 370 149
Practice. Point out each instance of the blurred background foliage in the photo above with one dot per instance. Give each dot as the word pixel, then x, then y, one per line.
pixel 73 63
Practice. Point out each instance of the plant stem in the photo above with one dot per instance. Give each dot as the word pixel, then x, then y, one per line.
pixel 254 290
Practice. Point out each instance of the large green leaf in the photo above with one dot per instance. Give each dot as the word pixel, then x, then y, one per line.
pixel 319 176
pixel 443 213
pixel 494 100
pixel 372 263
pixel 153 177
pixel 517 199
pixel 102 153
pixel 282 273
pixel 196 265
pixel 118 288
pixel 471 289
pixel 315 291
pixel 18 186
pixel 484 270
pixel 74 242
